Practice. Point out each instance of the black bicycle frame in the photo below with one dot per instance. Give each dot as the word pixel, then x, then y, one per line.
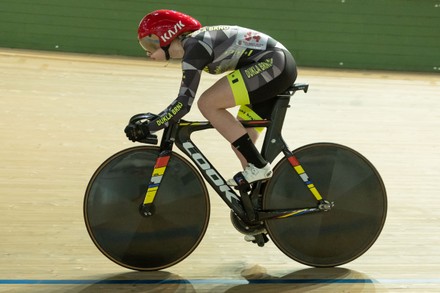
pixel 273 145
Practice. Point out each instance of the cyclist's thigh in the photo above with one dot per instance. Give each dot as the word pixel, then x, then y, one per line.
pixel 273 74
pixel 257 83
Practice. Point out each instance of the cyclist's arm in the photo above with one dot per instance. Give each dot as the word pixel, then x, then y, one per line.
pixel 196 57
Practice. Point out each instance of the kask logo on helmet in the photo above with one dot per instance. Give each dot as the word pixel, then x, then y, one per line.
pixel 172 32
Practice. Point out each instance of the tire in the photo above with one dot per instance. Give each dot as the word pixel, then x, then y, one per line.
pixel 115 224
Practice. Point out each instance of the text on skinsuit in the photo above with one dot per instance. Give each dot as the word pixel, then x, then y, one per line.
pixel 167 35
pixel 212 28
pixel 258 68
pixel 212 174
pixel 168 116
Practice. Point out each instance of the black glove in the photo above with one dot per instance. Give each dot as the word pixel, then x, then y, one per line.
pixel 137 131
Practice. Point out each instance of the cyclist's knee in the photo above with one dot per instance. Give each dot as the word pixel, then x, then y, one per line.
pixel 204 105
pixel 211 101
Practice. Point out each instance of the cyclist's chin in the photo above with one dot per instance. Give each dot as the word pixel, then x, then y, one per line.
pixel 175 60
pixel 158 59
pixel 172 61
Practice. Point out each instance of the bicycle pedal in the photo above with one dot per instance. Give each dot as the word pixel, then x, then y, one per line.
pixel 260 239
pixel 242 184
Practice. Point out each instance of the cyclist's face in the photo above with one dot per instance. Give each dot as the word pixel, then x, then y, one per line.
pixel 152 47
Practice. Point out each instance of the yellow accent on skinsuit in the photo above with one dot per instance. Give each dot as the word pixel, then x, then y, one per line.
pixel 238 87
pixel 247 114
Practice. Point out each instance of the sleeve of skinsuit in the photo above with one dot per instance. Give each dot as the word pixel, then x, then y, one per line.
pixel 197 56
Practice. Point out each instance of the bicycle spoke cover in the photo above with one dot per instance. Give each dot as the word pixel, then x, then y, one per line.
pixel 346 231
pixel 118 229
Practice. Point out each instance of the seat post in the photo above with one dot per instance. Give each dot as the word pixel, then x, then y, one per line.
pixel 273 143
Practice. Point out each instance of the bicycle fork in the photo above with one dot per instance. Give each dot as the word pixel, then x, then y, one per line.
pixel 147 207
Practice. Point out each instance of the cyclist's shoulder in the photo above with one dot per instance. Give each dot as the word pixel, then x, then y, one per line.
pixel 214 29
pixel 219 31
pixel 210 36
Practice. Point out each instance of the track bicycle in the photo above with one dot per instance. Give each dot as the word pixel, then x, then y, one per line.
pixel 147 207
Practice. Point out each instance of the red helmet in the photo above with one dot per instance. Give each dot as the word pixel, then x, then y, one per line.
pixel 167 25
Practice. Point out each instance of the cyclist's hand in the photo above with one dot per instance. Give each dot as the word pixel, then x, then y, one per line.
pixel 137 131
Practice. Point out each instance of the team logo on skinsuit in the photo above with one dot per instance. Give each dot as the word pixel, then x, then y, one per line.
pixel 171 32
pixel 252 40
pixel 251 36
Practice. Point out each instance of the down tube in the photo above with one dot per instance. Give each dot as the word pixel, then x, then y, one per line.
pixel 212 176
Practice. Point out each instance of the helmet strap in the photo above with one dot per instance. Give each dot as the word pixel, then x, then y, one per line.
pixel 167 53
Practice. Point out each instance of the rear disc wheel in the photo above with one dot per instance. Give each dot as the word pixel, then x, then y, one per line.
pixel 348 230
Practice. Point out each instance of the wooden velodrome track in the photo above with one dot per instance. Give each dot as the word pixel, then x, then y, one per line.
pixel 61 115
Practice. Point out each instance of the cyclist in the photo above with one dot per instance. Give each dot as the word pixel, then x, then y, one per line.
pixel 261 68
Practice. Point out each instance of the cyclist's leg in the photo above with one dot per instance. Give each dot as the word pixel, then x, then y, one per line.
pixel 251 84
pixel 213 104
pixel 279 74
pixel 254 83
pixel 245 113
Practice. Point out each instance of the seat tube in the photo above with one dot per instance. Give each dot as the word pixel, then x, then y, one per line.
pixel 273 143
